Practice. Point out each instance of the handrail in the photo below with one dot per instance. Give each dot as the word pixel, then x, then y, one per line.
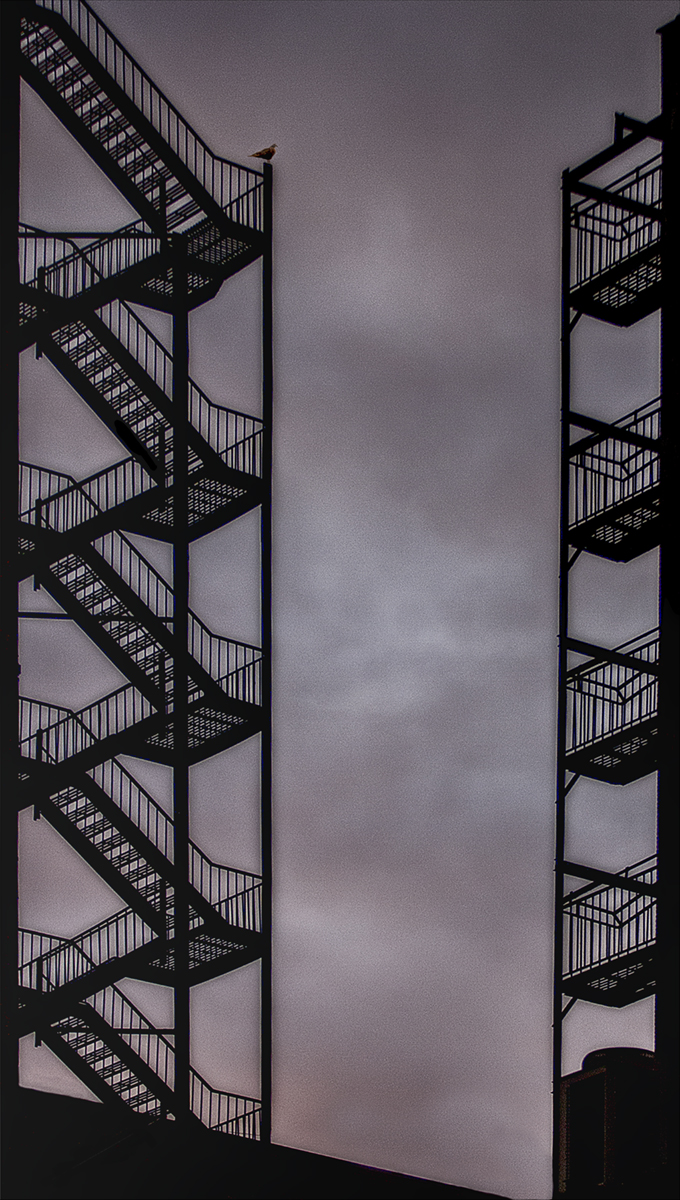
pixel 216 883
pixel 644 647
pixel 606 234
pixel 235 894
pixel 56 267
pixel 606 697
pixel 223 428
pixel 607 471
pixel 56 962
pixel 235 436
pixel 608 921
pixel 79 500
pixel 73 732
pixel 640 417
pixel 121 709
pixel 52 962
pixel 214 1108
pixel 219 656
pixel 226 182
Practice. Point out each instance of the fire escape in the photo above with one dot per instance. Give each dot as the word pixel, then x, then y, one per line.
pixel 190 467
pixel 617 704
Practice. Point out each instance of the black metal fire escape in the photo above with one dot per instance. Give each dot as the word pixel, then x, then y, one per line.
pixel 618 705
pixel 191 466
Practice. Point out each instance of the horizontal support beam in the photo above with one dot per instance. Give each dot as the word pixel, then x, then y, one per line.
pixel 609 431
pixel 601 655
pixel 141 1032
pixel 47 616
pixel 652 129
pixel 596 876
pixel 100 234
pixel 617 201
pixel 624 124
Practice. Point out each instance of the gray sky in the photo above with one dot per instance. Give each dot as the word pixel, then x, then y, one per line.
pixel 417 322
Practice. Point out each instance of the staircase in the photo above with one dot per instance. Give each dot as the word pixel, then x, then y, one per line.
pixel 129 128
pixel 127 609
pixel 66 984
pixel 117 827
pixel 116 1052
pixel 206 215
pixel 125 374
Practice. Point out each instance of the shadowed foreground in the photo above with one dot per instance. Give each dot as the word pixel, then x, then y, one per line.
pixel 73 1148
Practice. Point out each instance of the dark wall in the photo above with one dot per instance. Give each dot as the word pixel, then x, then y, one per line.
pixel 72 1148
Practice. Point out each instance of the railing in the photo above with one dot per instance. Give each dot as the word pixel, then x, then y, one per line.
pixel 234 893
pixel 224 1112
pixel 35 719
pixel 604 234
pixel 606 697
pixel 605 922
pixel 58 267
pixel 608 471
pixel 47 963
pixel 148 585
pixel 235 436
pixel 237 190
pixel 50 500
pixel 237 895
pixel 46 738
pixel 136 804
pixel 230 663
pixel 233 665
pixel 44 963
pixel 48 733
pixel 37 487
pixel 51 734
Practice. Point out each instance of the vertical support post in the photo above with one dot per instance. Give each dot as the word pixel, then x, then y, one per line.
pixel 163 209
pixel 560 823
pixel 180 397
pixel 266 642
pixel 9 486
pixel 667 998
pixel 42 308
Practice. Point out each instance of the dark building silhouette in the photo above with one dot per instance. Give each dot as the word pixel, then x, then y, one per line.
pixel 610 1137
pixel 615 1121
pixel 83 1150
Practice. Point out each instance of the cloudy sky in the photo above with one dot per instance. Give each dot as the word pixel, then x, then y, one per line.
pixel 417 320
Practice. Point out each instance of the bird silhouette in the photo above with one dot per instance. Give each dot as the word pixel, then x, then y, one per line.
pixel 267 153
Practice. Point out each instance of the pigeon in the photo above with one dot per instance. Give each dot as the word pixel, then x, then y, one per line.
pixel 267 153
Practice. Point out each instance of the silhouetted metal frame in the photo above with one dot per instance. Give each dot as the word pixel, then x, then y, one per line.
pixel 179 1100
pixel 180 770
pixel 266 642
pixel 668 832
pixel 9 664
pixel 627 134
pixel 563 626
